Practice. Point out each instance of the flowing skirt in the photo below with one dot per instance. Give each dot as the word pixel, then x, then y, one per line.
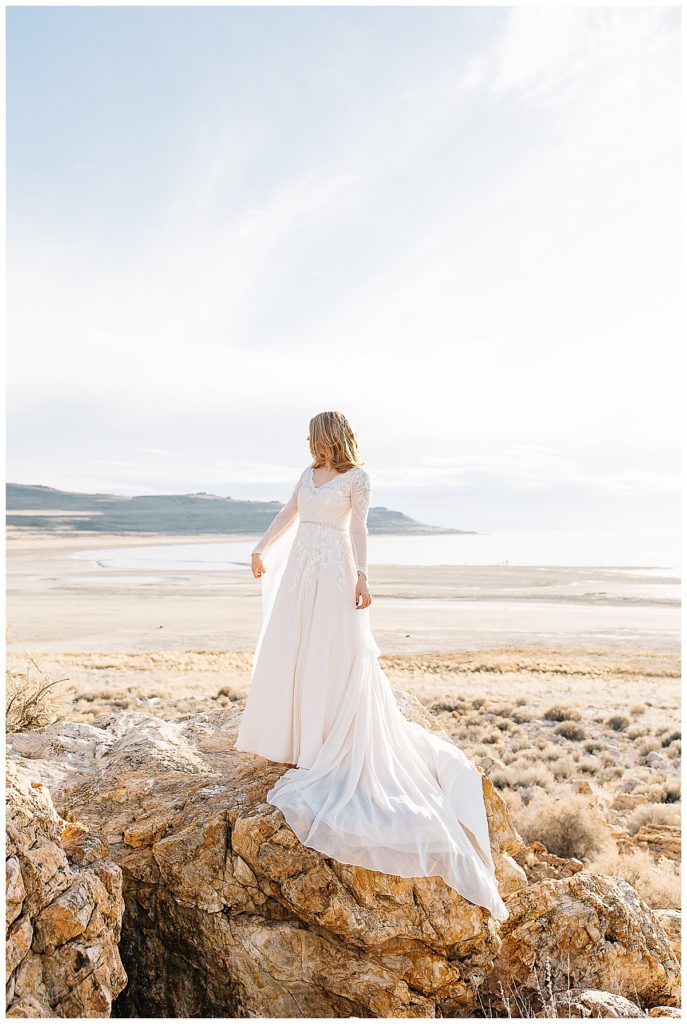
pixel 369 787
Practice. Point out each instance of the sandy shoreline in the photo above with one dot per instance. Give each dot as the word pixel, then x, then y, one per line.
pixel 415 608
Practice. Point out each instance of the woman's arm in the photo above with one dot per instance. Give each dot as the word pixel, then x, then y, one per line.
pixel 360 503
pixel 281 522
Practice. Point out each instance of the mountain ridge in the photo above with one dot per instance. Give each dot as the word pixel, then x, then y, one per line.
pixel 181 514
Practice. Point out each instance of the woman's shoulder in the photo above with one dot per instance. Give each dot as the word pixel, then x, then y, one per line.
pixel 360 478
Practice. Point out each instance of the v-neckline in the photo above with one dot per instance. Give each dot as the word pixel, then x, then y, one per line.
pixel 330 481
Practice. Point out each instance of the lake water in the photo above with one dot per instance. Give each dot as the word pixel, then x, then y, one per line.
pixel 643 551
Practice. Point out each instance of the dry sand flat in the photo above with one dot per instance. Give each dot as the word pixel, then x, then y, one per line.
pixel 595 636
pixel 415 608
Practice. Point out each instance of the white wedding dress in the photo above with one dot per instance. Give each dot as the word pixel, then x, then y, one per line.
pixel 370 787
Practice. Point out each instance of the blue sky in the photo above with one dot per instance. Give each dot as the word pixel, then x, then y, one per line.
pixel 457 225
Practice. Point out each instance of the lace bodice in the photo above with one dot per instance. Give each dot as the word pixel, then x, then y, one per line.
pixel 341 502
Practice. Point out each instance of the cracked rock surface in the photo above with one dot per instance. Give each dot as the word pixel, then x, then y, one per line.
pixel 227 914
pixel 64 909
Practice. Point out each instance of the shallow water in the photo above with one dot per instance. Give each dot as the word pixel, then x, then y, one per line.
pixel 646 552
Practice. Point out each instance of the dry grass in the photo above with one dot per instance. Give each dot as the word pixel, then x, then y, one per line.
pixel 652 814
pixel 31 698
pixel 656 880
pixel 571 730
pixel 558 713
pixel 567 823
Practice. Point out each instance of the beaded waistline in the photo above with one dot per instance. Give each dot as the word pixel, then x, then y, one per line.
pixel 331 526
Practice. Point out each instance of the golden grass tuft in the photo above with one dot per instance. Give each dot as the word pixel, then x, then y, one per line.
pixel 566 822
pixel 31 700
pixel 656 881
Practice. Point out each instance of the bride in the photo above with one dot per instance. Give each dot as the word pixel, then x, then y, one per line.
pixel 368 787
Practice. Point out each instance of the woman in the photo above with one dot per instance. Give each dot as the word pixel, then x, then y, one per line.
pixel 369 787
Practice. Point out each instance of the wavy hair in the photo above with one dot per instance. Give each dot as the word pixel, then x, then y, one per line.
pixel 332 440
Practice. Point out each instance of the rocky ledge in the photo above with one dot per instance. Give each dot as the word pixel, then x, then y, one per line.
pixel 163 850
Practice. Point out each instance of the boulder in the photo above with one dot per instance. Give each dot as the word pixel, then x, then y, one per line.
pixel 64 909
pixel 227 914
pixel 537 863
pixel 661 840
pixel 627 801
pixel 591 1002
pixel 576 933
pixel 670 921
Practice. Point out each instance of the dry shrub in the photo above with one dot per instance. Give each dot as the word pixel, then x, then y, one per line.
pixel 562 768
pixel 610 773
pixel 617 722
pixel 560 713
pixel 446 705
pixel 590 765
pixel 567 823
pixel 593 746
pixel 491 737
pixel 522 775
pixel 550 751
pixel 570 730
pixel 635 732
pixel 656 881
pixel 652 814
pixel 665 792
pixel 674 751
pixel 647 745
pixel 504 710
pixel 31 700
pixel 668 737
pixel 638 709
pixel 520 743
pixel 521 717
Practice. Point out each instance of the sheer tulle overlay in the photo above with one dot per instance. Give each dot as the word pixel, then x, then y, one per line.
pixel 370 787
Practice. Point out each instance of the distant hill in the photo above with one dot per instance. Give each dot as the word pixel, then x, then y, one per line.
pixel 47 508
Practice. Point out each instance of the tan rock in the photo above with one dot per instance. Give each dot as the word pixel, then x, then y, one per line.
pixel 14 891
pixel 592 1002
pixel 53 902
pixel 662 840
pixel 227 914
pixel 582 786
pixel 665 1011
pixel 537 863
pixel 583 930
pixel 490 764
pixel 670 921
pixel 627 801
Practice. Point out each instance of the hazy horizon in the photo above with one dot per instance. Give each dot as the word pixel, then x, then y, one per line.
pixel 460 226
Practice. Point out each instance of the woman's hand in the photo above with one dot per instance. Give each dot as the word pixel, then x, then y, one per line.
pixel 257 566
pixel 362 593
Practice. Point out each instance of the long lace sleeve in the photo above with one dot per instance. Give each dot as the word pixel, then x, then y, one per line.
pixel 281 522
pixel 360 503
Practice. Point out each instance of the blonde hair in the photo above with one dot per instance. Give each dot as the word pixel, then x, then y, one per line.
pixel 332 440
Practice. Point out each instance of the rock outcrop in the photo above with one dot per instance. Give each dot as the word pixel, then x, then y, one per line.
pixel 537 863
pixel 227 914
pixel 64 909
pixel 591 1002
pixel 661 840
pixel 586 931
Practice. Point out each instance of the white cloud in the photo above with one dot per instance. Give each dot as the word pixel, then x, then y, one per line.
pixel 486 252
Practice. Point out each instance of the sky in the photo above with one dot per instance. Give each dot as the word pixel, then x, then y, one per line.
pixel 457 225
